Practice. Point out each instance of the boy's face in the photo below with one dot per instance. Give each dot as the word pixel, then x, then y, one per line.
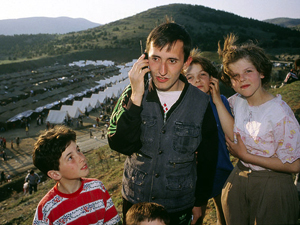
pixel 72 163
pixel 154 222
pixel 166 66
pixel 197 77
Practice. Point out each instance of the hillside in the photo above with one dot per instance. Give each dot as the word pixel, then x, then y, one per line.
pixel 291 95
pixel 104 164
pixel 44 25
pixel 284 22
pixel 207 26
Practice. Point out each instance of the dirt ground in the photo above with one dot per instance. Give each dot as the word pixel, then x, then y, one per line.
pixel 19 159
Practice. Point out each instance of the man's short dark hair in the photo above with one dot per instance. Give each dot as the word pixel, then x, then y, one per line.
pixel 147 211
pixel 167 34
pixel 50 146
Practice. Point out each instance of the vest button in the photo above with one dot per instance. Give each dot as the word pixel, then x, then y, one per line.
pixel 156 175
pixel 152 197
pixel 163 131
pixel 160 152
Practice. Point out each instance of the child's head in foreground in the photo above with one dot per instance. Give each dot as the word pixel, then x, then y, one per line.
pixel 232 53
pixel 147 213
pixel 57 155
pixel 200 71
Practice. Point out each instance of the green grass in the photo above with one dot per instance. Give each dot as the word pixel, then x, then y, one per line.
pixel 104 165
pixel 291 95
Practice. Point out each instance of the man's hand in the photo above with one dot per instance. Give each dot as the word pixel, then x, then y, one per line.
pixel 197 214
pixel 136 77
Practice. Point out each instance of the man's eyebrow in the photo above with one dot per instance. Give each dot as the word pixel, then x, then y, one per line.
pixel 173 58
pixel 155 56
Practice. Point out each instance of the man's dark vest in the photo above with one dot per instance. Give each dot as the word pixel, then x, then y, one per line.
pixel 164 170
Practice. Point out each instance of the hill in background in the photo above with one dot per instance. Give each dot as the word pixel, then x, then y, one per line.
pixel 207 26
pixel 44 25
pixel 285 22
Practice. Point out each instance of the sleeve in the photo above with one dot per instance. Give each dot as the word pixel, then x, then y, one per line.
pixel 287 139
pixel 124 128
pixel 111 214
pixel 231 101
pixel 38 178
pixel 207 156
pixel 38 217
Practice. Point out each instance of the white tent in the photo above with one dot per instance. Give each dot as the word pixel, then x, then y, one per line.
pixel 82 105
pixel 73 111
pixel 56 116
pixel 113 91
pixel 100 96
pixel 94 102
pixel 82 63
pixel 20 116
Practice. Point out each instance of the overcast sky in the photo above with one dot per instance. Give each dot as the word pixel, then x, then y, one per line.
pixel 105 11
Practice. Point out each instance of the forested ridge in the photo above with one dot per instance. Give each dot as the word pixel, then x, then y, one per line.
pixel 207 26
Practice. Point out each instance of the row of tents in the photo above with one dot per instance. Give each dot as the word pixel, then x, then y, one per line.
pixel 78 108
pixel 86 104
pixel 91 96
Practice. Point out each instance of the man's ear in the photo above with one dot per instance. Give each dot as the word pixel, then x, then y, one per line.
pixel 54 174
pixel 187 63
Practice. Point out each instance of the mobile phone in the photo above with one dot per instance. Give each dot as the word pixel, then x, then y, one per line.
pixel 146 57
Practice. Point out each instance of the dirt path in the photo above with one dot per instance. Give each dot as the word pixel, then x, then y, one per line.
pixel 19 158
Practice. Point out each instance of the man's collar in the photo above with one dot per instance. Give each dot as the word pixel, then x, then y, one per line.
pixel 152 95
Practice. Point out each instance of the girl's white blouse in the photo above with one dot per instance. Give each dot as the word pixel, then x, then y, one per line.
pixel 268 130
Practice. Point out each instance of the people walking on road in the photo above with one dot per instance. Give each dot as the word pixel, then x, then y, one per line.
pixel 18 141
pixel 2 178
pixel 33 179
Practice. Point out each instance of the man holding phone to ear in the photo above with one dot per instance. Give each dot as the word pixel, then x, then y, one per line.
pixel 161 125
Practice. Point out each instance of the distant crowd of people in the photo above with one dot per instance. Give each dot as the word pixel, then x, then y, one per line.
pixel 293 75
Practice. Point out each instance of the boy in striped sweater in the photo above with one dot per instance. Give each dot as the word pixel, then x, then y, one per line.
pixel 74 199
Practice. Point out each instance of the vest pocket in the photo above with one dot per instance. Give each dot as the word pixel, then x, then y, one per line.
pixel 184 184
pixel 148 133
pixel 186 137
pixel 133 182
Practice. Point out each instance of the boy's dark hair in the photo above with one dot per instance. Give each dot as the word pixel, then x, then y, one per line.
pixel 147 211
pixel 49 147
pixel 232 52
pixel 206 64
pixel 167 34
